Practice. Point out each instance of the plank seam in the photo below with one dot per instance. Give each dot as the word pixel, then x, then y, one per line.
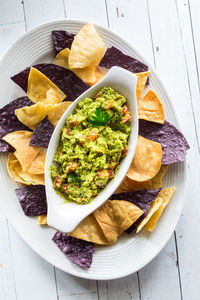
pixel 107 16
pixel 139 289
pixel 24 12
pixel 97 285
pixel 64 9
pixel 55 279
pixel 151 34
pixel 187 72
pixel 179 274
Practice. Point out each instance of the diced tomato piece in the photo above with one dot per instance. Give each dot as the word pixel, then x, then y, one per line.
pixel 109 105
pixel 73 166
pixel 126 118
pixel 93 135
pixel 66 189
pixel 124 109
pixel 83 138
pixel 79 200
pixel 57 181
pixel 124 151
pixel 74 122
pixel 111 173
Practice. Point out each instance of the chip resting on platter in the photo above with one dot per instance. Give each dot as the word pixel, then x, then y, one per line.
pixel 61 39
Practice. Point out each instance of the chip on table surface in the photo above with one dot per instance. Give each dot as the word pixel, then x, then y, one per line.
pixel 32 159
pixel 42 89
pixel 87 48
pixel 166 195
pixel 146 162
pixel 17 174
pixel 150 108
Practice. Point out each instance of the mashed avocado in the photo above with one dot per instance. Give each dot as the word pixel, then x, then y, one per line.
pixel 93 140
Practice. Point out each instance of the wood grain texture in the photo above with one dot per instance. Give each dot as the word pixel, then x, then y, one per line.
pixel 168 34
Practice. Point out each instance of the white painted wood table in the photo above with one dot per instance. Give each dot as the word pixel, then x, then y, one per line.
pixel 167 32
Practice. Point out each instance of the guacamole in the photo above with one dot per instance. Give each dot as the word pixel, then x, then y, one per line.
pixel 92 143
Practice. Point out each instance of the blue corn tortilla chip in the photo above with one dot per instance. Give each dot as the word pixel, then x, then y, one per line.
pixel 77 251
pixel 32 199
pixel 114 57
pixel 42 134
pixel 9 122
pixel 142 199
pixel 61 39
pixel 173 142
pixel 65 79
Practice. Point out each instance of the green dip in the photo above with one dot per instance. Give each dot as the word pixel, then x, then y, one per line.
pixel 92 143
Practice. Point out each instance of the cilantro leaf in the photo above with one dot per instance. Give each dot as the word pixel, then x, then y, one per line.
pixel 100 118
pixel 74 177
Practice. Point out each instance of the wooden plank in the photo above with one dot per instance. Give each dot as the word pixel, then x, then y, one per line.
pixel 90 10
pixel 163 266
pixel 34 276
pixel 88 296
pixel 7 280
pixel 70 285
pixel 9 33
pixel 40 11
pixel 11 11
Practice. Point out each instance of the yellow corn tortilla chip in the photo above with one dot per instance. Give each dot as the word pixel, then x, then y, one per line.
pixel 89 230
pixel 55 111
pixel 37 166
pixel 31 116
pixel 166 195
pixel 153 208
pixel 141 83
pixel 150 108
pixel 147 160
pixel 87 48
pixel 42 220
pixel 17 174
pixel 41 89
pixel 157 180
pixel 89 75
pixel 25 153
pixel 116 216
pixel 129 185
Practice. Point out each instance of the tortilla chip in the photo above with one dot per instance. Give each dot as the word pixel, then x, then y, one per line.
pixel 42 89
pixel 153 208
pixel 129 185
pixel 25 153
pixel 61 40
pixel 141 83
pixel 31 116
pixel 77 251
pixel 87 48
pixel 89 75
pixel 157 180
pixel 116 216
pixel 174 145
pixel 38 164
pixel 42 220
pixel 63 78
pixel 32 200
pixel 147 160
pixel 17 174
pixel 166 195
pixel 42 134
pixel 150 108
pixel 89 230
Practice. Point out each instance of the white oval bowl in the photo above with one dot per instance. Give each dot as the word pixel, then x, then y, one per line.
pixel 131 252
pixel 66 216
